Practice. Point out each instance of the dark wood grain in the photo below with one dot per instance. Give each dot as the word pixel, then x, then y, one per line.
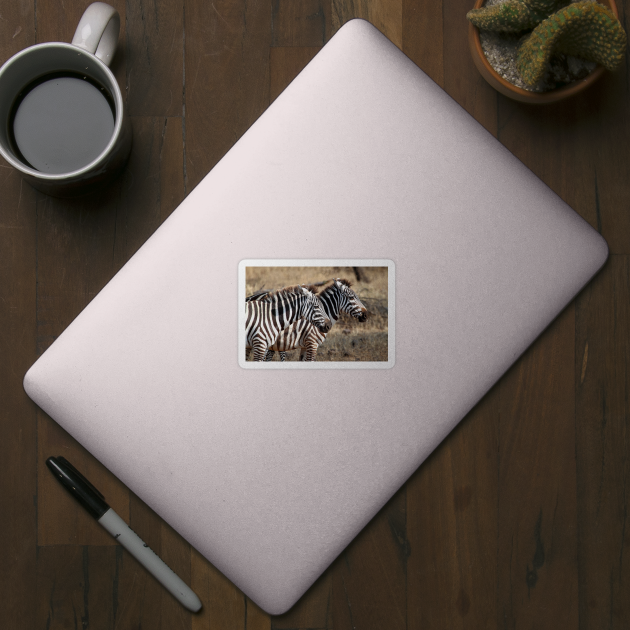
pixel 154 61
pixel 602 380
pixel 559 148
pixel 18 417
pixel 76 587
pixel 422 36
pixel 519 519
pixel 452 516
pixel 224 606
pixel 226 78
pixel 369 577
pixel 151 187
pixel 313 610
pixel 300 23
pixel 537 537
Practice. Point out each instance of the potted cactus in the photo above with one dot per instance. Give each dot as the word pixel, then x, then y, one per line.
pixel 558 49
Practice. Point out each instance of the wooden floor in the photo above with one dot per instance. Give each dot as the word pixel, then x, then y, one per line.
pixel 518 520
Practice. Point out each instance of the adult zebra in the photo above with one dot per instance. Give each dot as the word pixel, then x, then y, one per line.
pixel 335 296
pixel 266 319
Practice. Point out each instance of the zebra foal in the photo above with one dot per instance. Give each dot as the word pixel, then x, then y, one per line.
pixel 266 319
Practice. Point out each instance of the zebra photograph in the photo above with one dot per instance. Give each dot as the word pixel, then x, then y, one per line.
pixel 316 314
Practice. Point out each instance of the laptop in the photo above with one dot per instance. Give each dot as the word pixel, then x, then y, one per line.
pixel 362 168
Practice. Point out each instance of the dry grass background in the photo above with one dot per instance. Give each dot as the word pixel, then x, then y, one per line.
pixel 349 340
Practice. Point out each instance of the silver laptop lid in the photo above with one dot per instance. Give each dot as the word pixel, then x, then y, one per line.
pixel 270 473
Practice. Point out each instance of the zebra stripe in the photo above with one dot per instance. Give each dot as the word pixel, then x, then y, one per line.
pixel 266 319
pixel 335 297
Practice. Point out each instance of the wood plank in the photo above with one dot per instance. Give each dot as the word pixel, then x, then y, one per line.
pixel 608 127
pixel 18 416
pixel 18 421
pixel 313 609
pixel 224 606
pixel 285 64
pixel 603 468
pixel 255 617
pixel 369 577
pixel 452 526
pixel 558 147
pixel 461 78
pixel 74 247
pixel 17 28
pixel 537 537
pixel 386 15
pixel 226 78
pixel 154 57
pixel 300 22
pixel 76 587
pixel 152 184
pixel 171 159
pixel 423 36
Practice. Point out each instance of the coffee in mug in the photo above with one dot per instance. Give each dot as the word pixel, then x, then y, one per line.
pixel 61 123
pixel 65 128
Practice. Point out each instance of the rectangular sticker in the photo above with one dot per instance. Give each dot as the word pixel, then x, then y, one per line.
pixel 316 314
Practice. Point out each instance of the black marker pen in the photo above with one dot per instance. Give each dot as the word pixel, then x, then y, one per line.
pixel 94 502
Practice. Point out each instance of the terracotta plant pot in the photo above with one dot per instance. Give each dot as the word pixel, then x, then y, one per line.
pixel 519 94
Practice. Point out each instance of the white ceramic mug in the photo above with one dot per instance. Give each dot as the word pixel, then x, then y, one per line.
pixel 86 58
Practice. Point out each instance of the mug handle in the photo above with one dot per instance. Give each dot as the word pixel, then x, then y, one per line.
pixel 98 30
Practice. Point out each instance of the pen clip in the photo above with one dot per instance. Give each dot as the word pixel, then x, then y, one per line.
pixel 64 462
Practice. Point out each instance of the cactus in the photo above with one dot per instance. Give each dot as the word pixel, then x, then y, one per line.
pixel 513 16
pixel 584 29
